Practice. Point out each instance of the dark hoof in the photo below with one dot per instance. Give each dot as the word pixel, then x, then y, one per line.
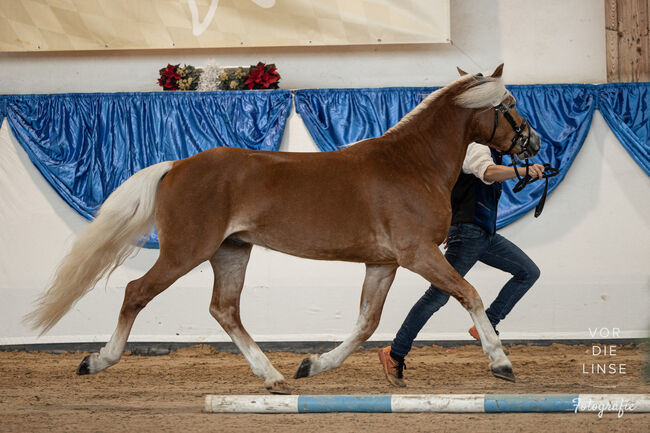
pixel 504 373
pixel 84 367
pixel 303 369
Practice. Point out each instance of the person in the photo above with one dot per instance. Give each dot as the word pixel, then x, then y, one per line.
pixel 472 237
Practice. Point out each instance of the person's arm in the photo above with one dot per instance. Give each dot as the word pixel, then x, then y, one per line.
pixel 499 173
pixel 478 161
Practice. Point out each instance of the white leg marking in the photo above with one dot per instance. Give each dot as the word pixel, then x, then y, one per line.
pixel 375 288
pixel 489 339
pixel 258 361
pixel 111 353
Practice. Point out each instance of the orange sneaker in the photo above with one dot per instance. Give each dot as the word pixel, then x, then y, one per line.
pixel 474 333
pixel 392 369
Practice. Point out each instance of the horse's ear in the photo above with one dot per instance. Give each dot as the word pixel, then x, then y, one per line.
pixel 461 72
pixel 498 71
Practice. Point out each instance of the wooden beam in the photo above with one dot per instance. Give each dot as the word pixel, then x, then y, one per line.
pixel 627 40
pixel 611 39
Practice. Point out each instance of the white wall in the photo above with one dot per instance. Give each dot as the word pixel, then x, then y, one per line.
pixel 591 243
pixel 555 41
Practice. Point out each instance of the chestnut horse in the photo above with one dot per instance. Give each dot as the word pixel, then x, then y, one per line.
pixel 384 202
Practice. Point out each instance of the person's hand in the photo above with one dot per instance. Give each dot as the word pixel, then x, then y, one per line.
pixel 536 171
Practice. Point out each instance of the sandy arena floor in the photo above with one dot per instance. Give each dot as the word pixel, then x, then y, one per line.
pixel 41 392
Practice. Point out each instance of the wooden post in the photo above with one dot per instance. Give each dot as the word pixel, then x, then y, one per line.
pixel 627 40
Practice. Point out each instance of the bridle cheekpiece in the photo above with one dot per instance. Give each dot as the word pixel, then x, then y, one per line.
pixel 519 137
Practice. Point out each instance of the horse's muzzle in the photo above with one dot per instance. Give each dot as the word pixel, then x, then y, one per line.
pixel 532 146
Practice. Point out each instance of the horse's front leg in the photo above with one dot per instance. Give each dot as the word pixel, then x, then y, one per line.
pixel 375 288
pixel 429 262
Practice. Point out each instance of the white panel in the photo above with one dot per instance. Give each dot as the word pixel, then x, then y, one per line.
pixel 446 403
pixel 251 403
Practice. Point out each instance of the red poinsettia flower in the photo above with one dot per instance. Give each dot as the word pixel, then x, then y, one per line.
pixel 169 77
pixel 255 75
pixel 262 76
pixel 170 71
pixel 269 77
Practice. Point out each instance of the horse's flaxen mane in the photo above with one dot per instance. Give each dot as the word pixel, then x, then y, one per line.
pixel 485 92
pixel 426 103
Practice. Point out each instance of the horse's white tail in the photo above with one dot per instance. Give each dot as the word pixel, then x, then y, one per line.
pixel 125 217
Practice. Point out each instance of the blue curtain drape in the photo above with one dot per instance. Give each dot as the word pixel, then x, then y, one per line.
pixel 3 108
pixel 337 117
pixel 626 109
pixel 86 145
pixel 561 114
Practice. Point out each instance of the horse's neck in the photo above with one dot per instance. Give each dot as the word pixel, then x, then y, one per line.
pixel 434 142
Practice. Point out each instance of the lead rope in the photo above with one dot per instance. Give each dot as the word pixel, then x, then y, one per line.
pixel 527 179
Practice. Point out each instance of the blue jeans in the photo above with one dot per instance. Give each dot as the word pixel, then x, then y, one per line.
pixel 466 244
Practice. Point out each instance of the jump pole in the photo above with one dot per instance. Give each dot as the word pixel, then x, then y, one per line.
pixel 441 403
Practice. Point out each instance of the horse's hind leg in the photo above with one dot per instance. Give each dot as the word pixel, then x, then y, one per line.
pixel 137 294
pixel 229 265
pixel 432 265
pixel 375 288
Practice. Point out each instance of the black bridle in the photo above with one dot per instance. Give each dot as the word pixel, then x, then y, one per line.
pixel 523 141
pixel 519 137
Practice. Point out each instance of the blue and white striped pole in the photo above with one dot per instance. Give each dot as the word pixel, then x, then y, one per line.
pixel 454 403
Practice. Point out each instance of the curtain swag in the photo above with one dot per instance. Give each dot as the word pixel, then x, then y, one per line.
pixel 85 145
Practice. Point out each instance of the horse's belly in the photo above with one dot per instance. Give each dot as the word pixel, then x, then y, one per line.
pixel 315 248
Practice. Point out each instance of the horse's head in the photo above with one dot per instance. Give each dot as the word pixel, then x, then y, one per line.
pixel 496 121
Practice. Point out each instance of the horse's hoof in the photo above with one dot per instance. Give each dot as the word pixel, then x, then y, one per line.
pixel 303 369
pixel 279 388
pixel 84 367
pixel 504 372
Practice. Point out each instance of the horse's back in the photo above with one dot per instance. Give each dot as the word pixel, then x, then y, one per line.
pixel 317 205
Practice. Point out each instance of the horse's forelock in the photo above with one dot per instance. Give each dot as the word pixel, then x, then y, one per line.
pixel 482 92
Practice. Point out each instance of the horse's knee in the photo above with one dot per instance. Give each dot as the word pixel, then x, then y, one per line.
pixel 216 312
pixel 227 316
pixel 470 299
pixel 367 327
pixel 366 332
